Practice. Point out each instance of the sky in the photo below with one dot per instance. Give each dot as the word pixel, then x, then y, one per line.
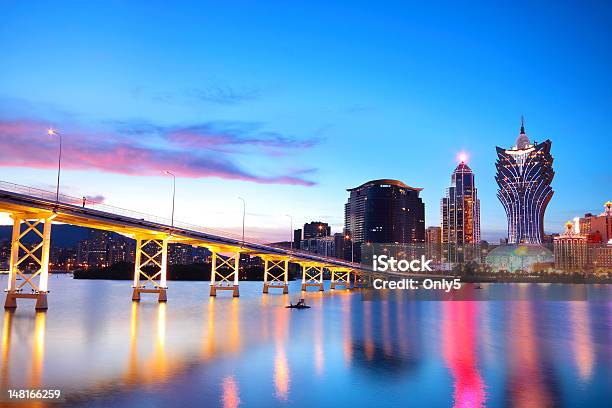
pixel 288 104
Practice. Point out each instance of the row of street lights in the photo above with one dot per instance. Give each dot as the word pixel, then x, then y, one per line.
pixel 53 132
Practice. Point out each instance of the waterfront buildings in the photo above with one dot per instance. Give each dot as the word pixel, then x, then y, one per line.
pixel 384 211
pixel 571 250
pixel 325 245
pixel 598 228
pixel 460 211
pixel 433 235
pixel 316 229
pixel 433 245
pixel 461 208
pixel 602 259
pixel 524 175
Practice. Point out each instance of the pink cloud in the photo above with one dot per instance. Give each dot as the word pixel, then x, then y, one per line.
pixel 25 143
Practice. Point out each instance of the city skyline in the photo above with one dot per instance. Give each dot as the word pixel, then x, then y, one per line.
pixel 270 131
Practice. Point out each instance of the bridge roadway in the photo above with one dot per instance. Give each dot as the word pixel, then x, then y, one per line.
pixel 32 208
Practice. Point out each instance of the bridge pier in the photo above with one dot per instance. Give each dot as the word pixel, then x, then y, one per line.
pixel 272 277
pixel 312 275
pixel 340 276
pixel 37 253
pixel 151 251
pixel 228 279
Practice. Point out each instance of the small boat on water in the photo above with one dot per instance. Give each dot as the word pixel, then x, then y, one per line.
pixel 301 304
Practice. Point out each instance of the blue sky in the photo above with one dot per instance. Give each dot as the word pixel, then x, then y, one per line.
pixel 287 104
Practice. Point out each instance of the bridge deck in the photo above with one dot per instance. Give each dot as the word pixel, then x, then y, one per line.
pixel 21 199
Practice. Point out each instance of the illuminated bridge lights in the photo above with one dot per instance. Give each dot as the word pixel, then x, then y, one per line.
pixel 312 275
pixel 276 273
pixel 36 210
pixel 340 276
pixel 20 253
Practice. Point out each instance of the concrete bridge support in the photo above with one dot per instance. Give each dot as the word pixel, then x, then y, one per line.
pixel 340 277
pixel 312 275
pixel 224 273
pixel 36 254
pixel 276 274
pixel 153 252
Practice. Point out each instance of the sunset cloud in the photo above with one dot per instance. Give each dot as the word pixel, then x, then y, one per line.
pixel 188 151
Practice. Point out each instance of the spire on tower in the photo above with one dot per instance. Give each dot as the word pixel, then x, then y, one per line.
pixel 522 125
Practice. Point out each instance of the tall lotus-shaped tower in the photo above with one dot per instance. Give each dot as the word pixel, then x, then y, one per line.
pixel 524 175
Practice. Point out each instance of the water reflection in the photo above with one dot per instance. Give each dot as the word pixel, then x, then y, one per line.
pixel 154 365
pixel 459 335
pixel 30 343
pixel 527 384
pixel 38 349
pixel 6 347
pixel 251 351
pixel 583 343
pixel 281 366
pixel 230 397
pixel 319 350
pixel 347 338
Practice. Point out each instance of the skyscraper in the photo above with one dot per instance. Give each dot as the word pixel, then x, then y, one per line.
pixel 461 216
pixel 385 211
pixel 524 175
pixel 461 208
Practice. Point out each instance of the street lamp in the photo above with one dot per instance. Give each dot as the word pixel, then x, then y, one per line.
pixel 169 173
pixel 291 231
pixel 347 236
pixel 53 132
pixel 243 216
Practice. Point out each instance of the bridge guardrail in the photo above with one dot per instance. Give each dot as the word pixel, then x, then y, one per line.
pixel 64 199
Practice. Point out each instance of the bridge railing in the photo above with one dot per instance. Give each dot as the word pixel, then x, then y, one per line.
pixel 64 199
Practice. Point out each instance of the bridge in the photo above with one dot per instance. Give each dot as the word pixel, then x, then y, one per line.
pixel 34 211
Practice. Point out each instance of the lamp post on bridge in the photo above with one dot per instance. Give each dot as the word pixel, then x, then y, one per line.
pixel 291 231
pixel 169 173
pixel 53 132
pixel 243 217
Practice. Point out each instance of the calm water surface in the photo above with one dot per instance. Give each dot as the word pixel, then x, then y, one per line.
pixel 102 350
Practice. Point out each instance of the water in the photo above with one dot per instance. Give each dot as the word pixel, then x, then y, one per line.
pixel 102 350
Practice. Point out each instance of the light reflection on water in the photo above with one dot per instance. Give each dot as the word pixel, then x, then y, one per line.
pixel 101 349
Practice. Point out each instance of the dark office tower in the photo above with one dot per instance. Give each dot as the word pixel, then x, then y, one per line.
pixel 461 208
pixel 316 229
pixel 524 175
pixel 384 211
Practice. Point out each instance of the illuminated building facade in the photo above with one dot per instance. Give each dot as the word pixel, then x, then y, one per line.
pixel 461 216
pixel 385 211
pixel 524 175
pixel 598 228
pixel 461 208
pixel 602 259
pixel 433 235
pixel 571 250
